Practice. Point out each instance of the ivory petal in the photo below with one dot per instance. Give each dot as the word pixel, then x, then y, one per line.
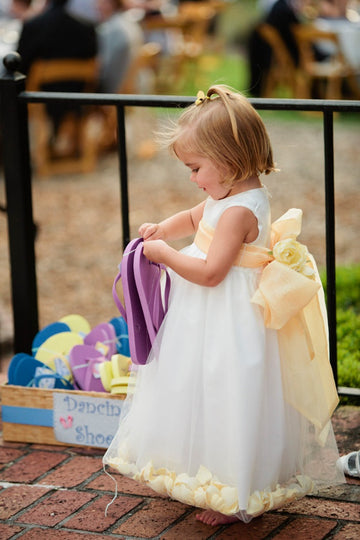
pixel 204 476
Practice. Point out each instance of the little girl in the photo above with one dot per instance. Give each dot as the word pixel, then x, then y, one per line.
pixel 232 411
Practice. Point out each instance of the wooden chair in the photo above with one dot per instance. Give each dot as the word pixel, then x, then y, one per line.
pixel 189 30
pixel 194 39
pixel 144 66
pixel 197 17
pixel 74 147
pixel 283 72
pixel 328 75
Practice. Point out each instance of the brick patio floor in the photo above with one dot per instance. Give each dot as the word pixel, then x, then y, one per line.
pixel 60 493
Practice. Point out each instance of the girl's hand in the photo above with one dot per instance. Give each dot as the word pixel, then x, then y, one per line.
pixel 154 250
pixel 150 231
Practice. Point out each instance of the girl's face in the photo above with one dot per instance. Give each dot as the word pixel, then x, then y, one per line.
pixel 205 174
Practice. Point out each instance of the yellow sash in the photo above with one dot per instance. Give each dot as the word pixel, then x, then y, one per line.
pixel 294 305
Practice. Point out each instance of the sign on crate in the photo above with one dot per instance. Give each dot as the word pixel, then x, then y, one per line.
pixel 60 417
pixel 85 420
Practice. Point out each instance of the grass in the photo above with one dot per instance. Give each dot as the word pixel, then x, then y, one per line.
pixel 212 68
pixel 348 324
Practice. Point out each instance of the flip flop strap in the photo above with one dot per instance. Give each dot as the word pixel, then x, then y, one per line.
pixel 167 287
pixel 161 306
pixel 89 374
pixel 119 305
pixel 54 375
pixel 130 248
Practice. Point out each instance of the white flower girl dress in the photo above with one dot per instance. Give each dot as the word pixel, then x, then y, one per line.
pixel 214 421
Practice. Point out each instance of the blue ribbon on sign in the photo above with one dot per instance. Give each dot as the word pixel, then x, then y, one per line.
pixel 27 416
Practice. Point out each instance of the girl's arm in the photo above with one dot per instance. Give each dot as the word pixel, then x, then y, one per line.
pixel 236 226
pixel 175 227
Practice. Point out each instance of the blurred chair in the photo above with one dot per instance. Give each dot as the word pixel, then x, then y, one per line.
pixel 197 17
pixel 140 77
pixel 143 70
pixel 282 73
pixel 189 31
pixel 73 148
pixel 194 40
pixel 329 75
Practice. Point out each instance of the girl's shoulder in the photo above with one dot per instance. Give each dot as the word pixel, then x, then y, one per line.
pixel 256 200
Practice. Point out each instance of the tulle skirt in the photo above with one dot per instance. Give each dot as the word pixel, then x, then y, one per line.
pixel 208 424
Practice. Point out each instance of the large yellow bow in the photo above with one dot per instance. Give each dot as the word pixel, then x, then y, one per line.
pixel 293 305
pixel 283 291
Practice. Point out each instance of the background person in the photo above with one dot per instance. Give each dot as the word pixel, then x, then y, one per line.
pixel 54 33
pixel 282 16
pixel 120 38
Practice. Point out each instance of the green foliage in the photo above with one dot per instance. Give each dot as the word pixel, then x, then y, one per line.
pixel 348 288
pixel 348 324
pixel 348 333
pixel 235 22
pixel 215 68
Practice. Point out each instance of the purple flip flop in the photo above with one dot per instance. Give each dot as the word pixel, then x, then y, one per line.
pixel 84 361
pixel 102 337
pixel 144 310
pixel 147 279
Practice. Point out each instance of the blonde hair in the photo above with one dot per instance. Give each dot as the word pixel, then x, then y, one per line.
pixel 224 127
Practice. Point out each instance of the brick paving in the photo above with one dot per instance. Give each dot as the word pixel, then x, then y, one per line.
pixel 61 493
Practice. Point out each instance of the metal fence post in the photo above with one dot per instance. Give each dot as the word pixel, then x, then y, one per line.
pixel 330 237
pixel 17 172
pixel 123 170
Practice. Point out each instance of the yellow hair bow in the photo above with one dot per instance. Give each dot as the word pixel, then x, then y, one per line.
pixel 200 97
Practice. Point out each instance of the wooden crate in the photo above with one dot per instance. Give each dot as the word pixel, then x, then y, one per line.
pixel 38 415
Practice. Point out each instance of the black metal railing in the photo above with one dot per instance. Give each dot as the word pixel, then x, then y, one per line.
pixel 17 170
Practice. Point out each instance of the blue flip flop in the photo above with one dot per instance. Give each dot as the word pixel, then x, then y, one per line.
pixel 27 371
pixel 14 362
pixel 122 335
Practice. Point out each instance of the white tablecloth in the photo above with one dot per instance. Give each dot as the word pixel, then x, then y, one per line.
pixel 9 35
pixel 349 38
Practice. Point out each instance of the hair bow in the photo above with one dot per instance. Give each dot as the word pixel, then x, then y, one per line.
pixel 200 97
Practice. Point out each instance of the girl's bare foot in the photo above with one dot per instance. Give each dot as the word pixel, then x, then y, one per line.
pixel 210 517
